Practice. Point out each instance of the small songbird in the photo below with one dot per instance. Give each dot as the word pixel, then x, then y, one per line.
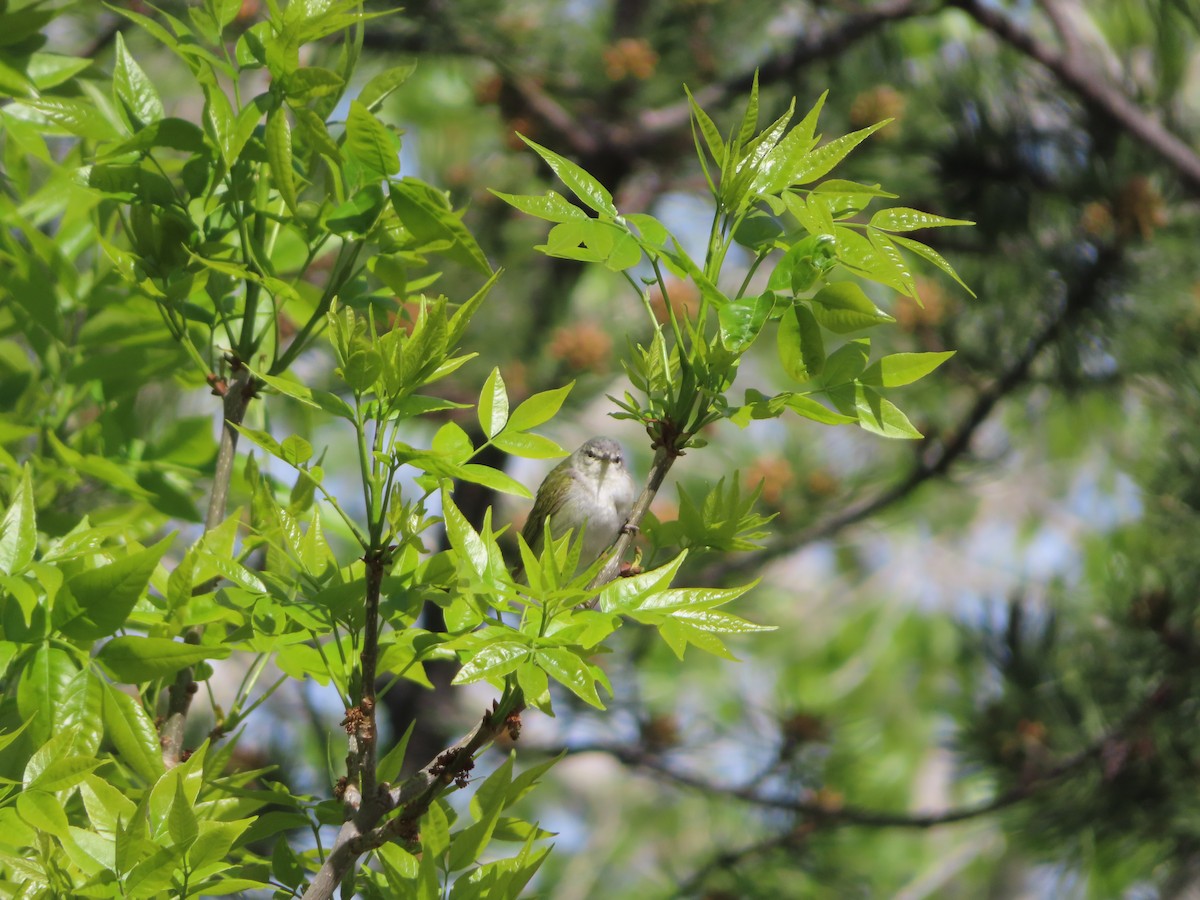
pixel 590 489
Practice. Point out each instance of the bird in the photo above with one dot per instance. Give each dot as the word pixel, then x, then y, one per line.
pixel 590 490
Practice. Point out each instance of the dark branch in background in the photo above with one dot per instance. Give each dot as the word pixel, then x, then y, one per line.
pixel 939 458
pixel 809 46
pixel 1073 71
pixel 817 815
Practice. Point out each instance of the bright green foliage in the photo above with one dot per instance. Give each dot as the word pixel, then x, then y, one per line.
pixel 759 185
pixel 145 249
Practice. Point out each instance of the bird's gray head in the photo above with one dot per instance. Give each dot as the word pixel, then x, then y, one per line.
pixel 598 455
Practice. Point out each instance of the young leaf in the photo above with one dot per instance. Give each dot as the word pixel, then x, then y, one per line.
pixel 528 446
pixel 846 363
pixel 929 254
pixel 582 185
pixel 903 368
pixel 133 659
pixel 18 531
pixel 879 415
pixel 133 89
pixel 901 218
pixel 370 142
pixel 494 660
pixel 493 405
pixel 551 206
pixel 805 406
pixel 427 214
pixel 820 161
pixel 279 154
pixel 801 348
pixel 101 598
pixel 742 319
pixel 382 85
pixel 539 408
pixel 565 667
pixel 843 307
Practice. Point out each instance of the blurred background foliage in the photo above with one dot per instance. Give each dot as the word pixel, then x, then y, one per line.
pixel 986 675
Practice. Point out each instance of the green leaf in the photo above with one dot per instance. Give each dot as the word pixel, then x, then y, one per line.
pixel 846 363
pixel 494 660
pixel 426 212
pixel 314 134
pixel 901 218
pixel 538 409
pixel 381 86
pixel 18 529
pixel 930 255
pixel 133 659
pixel 44 812
pixel 881 416
pixel 843 307
pixel 749 117
pixel 102 598
pixel 358 214
pixel 44 681
pixel 878 261
pixel 260 439
pixel 486 806
pixel 279 154
pixel 362 369
pixel 551 206
pixel 565 667
pixel 132 733
pixel 310 82
pixel 469 546
pixel 810 409
pixel 181 820
pixel 900 277
pixel 495 479
pixel 493 404
pixel 820 161
pixel 229 131
pixel 79 711
pixel 370 142
pixel 742 319
pixel 799 343
pixel 49 70
pixel 176 134
pixel 323 400
pixel 582 185
pixel 527 446
pixel 452 442
pixel 77 117
pixel 295 450
pixel 709 130
pixel 903 368
pixel 133 88
pixel 803 263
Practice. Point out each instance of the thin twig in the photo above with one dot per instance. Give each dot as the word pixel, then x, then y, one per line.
pixel 238 395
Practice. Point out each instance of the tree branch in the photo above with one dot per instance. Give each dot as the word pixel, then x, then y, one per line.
pixel 810 45
pixel 1076 74
pixel 238 394
pixel 362 832
pixel 817 815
